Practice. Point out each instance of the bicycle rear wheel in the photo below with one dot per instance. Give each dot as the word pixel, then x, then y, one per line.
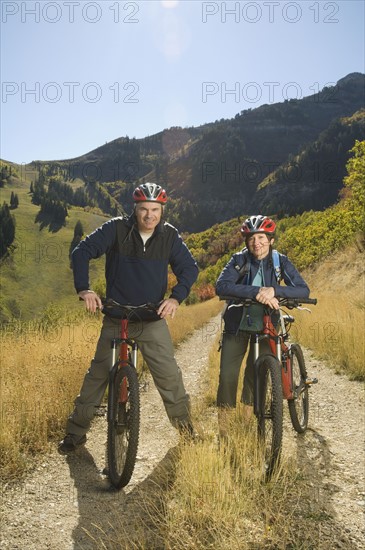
pixel 299 406
pixel 123 427
pixel 270 414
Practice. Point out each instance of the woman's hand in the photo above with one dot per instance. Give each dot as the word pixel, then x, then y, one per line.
pixel 266 295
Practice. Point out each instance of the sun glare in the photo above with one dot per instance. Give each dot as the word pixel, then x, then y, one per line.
pixel 169 3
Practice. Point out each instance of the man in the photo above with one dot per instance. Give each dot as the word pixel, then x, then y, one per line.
pixel 251 273
pixel 138 251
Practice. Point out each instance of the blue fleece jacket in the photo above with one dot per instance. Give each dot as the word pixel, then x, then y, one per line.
pixel 136 273
pixel 229 283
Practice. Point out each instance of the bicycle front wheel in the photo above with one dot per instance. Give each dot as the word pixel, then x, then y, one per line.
pixel 270 414
pixel 123 427
pixel 299 406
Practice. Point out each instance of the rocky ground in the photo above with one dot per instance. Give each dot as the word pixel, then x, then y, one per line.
pixel 66 503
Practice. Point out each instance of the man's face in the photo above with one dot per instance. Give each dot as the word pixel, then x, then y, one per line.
pixel 258 244
pixel 148 215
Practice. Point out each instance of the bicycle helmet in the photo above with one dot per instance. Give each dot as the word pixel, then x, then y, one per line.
pixel 150 192
pixel 258 224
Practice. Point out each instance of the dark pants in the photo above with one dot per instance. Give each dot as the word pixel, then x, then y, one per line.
pixel 155 343
pixel 234 348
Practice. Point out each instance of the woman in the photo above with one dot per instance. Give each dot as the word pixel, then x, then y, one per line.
pixel 255 273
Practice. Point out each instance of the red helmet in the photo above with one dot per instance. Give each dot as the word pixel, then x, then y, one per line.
pixel 258 224
pixel 150 192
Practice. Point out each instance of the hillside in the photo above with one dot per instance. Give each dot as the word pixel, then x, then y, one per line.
pixel 37 264
pixel 36 271
pixel 214 172
pixel 312 179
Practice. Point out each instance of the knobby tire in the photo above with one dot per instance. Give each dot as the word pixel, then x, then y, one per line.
pixel 299 406
pixel 123 429
pixel 270 417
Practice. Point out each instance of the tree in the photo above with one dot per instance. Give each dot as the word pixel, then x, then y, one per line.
pixel 7 228
pixel 78 234
pixel 14 201
pixel 355 179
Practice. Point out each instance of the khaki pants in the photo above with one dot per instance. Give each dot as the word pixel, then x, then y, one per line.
pixel 234 348
pixel 155 343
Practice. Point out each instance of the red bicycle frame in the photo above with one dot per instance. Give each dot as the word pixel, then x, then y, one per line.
pixel 279 349
pixel 125 357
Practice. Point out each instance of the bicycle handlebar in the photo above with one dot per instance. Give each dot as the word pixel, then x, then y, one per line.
pixel 289 302
pixel 112 304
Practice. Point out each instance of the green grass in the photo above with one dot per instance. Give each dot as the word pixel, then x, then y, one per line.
pixel 38 272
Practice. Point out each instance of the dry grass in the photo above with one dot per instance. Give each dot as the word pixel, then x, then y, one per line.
pixel 335 331
pixel 41 373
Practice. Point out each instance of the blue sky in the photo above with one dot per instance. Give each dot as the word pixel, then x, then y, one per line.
pixel 76 74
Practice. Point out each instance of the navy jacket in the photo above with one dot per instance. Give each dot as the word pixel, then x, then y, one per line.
pixel 229 283
pixel 136 273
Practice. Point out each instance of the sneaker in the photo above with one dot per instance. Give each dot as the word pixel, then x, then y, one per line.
pixel 70 443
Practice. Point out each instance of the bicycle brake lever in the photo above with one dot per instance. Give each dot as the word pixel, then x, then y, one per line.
pixel 235 305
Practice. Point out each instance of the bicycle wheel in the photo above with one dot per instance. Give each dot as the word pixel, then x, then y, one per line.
pixel 123 427
pixel 270 414
pixel 299 406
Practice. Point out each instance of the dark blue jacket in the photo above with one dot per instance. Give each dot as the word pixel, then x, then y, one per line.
pixel 231 283
pixel 136 274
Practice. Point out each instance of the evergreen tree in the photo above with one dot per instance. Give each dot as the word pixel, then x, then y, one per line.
pixel 7 228
pixel 78 234
pixel 14 201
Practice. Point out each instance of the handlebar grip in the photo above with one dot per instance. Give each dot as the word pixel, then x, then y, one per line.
pixel 307 301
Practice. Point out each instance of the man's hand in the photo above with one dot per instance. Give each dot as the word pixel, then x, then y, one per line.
pixel 168 307
pixel 91 299
pixel 266 295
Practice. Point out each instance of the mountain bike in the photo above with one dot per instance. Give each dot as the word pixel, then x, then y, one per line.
pixel 278 375
pixel 123 413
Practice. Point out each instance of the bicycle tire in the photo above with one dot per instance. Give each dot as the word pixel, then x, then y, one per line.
pixel 270 414
pixel 123 428
pixel 299 406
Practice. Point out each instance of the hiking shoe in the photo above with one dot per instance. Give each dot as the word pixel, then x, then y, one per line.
pixel 187 432
pixel 70 443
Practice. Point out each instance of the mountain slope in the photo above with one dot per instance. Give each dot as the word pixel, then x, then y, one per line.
pixel 312 179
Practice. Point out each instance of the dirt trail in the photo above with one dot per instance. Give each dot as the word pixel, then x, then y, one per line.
pixel 65 503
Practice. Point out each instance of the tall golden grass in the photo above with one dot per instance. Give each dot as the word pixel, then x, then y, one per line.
pixel 42 367
pixel 335 331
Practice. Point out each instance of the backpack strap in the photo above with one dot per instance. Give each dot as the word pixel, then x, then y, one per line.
pixel 276 260
pixel 243 269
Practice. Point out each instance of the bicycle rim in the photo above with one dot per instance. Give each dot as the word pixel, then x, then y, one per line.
pixel 299 406
pixel 123 428
pixel 270 419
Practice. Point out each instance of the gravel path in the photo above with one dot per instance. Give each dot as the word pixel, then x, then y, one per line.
pixel 66 503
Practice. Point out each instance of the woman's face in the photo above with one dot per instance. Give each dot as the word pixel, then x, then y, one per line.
pixel 259 244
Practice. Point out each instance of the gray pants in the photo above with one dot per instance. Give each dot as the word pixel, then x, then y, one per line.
pixel 234 348
pixel 155 343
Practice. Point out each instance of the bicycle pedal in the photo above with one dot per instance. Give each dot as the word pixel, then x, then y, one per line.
pixel 310 381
